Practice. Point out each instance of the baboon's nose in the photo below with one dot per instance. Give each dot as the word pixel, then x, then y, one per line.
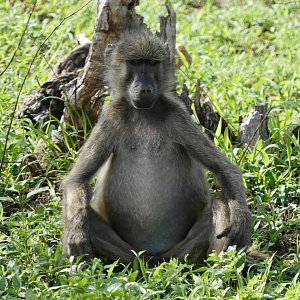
pixel 146 91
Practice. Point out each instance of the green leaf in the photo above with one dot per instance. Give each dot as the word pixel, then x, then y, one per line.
pixel 38 191
pixel 3 283
pixel 218 131
pixel 82 283
pixel 110 270
pixel 226 138
pixel 114 289
pixel 157 271
pixel 132 276
pixel 265 158
pixel 241 261
pixel 16 283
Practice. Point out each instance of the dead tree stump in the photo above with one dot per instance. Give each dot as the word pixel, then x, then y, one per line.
pixel 77 80
pixel 78 77
pixel 208 118
pixel 254 125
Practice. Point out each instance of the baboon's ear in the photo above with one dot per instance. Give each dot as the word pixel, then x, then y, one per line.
pixel 107 54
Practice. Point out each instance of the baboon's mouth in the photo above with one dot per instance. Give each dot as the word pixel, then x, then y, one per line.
pixel 143 104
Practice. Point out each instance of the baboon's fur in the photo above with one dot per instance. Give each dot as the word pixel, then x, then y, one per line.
pixel 152 193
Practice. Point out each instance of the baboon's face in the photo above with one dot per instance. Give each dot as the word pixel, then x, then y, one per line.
pixel 142 79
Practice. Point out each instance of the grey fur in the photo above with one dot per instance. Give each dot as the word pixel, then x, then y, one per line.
pixel 152 193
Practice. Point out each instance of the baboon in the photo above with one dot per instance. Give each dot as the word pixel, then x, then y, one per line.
pixel 152 193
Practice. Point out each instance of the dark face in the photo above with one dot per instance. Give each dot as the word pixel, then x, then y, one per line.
pixel 143 77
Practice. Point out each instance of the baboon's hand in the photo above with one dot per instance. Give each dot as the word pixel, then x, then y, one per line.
pixel 77 239
pixel 78 243
pixel 238 232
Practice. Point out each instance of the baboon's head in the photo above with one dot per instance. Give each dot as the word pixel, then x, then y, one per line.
pixel 139 69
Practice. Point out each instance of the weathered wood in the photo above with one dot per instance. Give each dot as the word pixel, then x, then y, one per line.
pixel 168 30
pixel 254 125
pixel 72 62
pixel 184 96
pixel 78 77
pixel 82 39
pixel 207 117
pixel 45 99
pixel 89 92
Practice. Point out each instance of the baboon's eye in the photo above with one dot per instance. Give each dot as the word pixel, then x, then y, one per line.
pixel 152 62
pixel 135 61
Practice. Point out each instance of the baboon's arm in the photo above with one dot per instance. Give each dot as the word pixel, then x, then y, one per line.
pixel 77 191
pixel 228 176
pixel 93 154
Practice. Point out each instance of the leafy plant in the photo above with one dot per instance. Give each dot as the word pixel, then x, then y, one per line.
pixel 243 53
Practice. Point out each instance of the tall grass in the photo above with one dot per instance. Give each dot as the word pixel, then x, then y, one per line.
pixel 243 53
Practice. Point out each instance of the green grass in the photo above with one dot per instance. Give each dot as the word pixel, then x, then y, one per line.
pixel 243 54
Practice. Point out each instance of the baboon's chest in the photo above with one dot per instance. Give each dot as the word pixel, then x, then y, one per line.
pixel 146 141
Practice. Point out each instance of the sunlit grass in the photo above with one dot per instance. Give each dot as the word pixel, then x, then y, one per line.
pixel 243 54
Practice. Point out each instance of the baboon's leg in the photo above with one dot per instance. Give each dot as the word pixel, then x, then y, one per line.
pixel 105 241
pixel 221 219
pixel 202 235
pixel 99 203
pixel 196 243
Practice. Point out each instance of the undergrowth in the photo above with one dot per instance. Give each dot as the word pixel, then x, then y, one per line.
pixel 244 52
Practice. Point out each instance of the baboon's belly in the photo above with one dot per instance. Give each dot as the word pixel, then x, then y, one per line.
pixel 152 201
